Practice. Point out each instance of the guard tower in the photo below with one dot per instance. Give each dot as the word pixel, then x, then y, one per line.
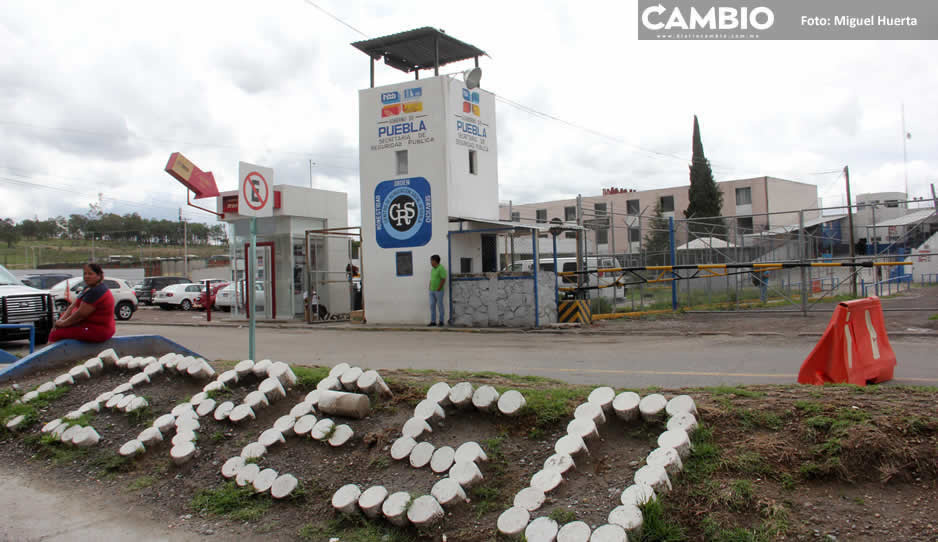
pixel 427 159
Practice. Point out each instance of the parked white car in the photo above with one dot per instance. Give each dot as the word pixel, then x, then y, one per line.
pixel 179 296
pixel 125 300
pixel 231 296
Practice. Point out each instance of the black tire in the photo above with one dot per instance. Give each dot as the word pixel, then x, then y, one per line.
pixel 42 336
pixel 124 310
pixel 186 305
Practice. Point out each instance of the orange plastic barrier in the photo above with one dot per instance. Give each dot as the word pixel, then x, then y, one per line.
pixel 854 348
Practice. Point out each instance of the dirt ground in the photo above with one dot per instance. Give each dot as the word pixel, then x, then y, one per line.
pixel 793 463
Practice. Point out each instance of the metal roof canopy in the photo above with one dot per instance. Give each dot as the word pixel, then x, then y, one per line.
pixel 418 49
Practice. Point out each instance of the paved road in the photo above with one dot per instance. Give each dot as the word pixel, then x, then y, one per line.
pixel 616 360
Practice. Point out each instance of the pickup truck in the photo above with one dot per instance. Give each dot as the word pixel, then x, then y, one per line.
pixel 21 304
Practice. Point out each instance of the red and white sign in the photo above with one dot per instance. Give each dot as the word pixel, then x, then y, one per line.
pixel 255 194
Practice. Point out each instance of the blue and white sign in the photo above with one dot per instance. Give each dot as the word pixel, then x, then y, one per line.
pixel 403 213
pixel 392 97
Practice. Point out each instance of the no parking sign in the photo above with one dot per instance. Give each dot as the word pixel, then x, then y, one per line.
pixel 255 190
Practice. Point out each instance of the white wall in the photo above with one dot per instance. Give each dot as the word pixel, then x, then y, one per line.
pixel 471 195
pixel 925 258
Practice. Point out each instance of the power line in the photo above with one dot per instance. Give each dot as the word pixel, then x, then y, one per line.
pixel 340 21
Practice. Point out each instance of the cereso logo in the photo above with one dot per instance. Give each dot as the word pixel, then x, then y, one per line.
pixel 717 18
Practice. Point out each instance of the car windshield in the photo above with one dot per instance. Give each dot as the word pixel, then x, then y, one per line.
pixel 7 278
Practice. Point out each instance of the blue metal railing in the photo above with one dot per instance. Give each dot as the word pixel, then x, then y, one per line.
pixel 32 333
pixel 929 278
pixel 885 287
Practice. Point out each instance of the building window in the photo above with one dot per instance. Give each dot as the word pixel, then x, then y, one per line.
pixel 569 234
pixel 744 224
pixel 892 203
pixel 473 165
pixel 465 265
pixel 744 196
pixel 602 237
pixel 635 235
pixel 401 162
pixel 405 264
pixel 569 214
pixel 667 204
pixel 516 216
pixel 541 215
pixel 599 209
pixel 632 207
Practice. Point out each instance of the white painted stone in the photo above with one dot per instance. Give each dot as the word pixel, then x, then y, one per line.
pixel 323 429
pixel 79 372
pixel 395 507
pixel 264 480
pixel 123 389
pixel 108 357
pixel 272 388
pixel 312 398
pixel 150 435
pixel 136 403
pixel 170 360
pixel 415 427
pixel 684 421
pixel 270 438
pixel 460 395
pixel 559 462
pixel 402 447
pixel 465 473
pixel 15 422
pixel 86 437
pixel 183 408
pixel 512 522
pixel 206 407
pixel 131 447
pixel 304 424
pixel 182 436
pixel 64 380
pixel 246 474
pixel 470 451
pixel 103 398
pixel 637 495
pixel 428 410
pixel 240 413
pixel 681 403
pixel 152 370
pixel 629 517
pixel 183 364
pixel 530 498
pixel 223 410
pixel 165 423
pixel 442 459
pixel 337 371
pixel 677 439
pixel 668 458
pixel 583 428
pixel 546 480
pixel 49 427
pixel 252 450
pixel 139 379
pixel 571 445
pixel 200 369
pixel 349 378
pixel 421 454
pixel 439 393
pixel 283 486
pixel 29 396
pixel 283 373
pixel 244 368
pixel 609 533
pixel 370 382
pixel 187 422
pixel 125 401
pixel 197 399
pixel 69 434
pixel 575 531
pixel 347 405
pixel 625 405
pixel 231 467
pixel 94 365
pixel 228 378
pixel 284 424
pixel 654 476
pixel 652 407
pixel 57 432
pixel 302 409
pixel 590 411
pixel 89 407
pixel 207 370
pixel 603 397
pixel 256 400
pixel 542 529
pixel 134 363
pixel 261 367
pixel 329 383
pixel 46 387
pixel 123 362
pixel 340 435
pixel 371 499
pixel 345 499
pixel 425 511
pixel 448 493
pixel 511 402
pixel 73 415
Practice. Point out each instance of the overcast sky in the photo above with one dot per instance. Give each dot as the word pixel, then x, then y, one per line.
pixel 95 95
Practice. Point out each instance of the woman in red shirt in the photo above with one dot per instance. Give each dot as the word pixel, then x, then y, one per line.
pixel 91 317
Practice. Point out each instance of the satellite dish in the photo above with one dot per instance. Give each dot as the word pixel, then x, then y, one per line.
pixel 472 77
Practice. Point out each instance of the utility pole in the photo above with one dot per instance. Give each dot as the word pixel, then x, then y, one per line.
pixel 310 173
pixel 853 248
pixel 905 165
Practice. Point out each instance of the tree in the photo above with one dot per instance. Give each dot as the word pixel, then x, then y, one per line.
pixel 657 239
pixel 706 200
pixel 8 232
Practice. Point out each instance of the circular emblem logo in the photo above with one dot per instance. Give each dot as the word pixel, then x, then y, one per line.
pixel 402 212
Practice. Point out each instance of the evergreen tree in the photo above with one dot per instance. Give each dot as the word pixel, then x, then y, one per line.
pixel 706 200
pixel 657 239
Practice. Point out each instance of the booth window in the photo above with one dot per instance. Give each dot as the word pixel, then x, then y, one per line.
pixel 569 214
pixel 465 265
pixel 541 216
pixel 405 264
pixel 516 216
pixel 401 162
pixel 473 163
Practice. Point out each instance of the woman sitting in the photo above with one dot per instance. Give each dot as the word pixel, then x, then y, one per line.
pixel 91 317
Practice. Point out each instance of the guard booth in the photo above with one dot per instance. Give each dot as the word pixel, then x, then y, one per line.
pixel 282 272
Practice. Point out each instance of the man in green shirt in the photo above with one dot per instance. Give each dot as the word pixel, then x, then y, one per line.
pixel 437 281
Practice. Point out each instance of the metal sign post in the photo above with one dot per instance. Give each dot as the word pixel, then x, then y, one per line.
pixel 254 200
pixel 249 286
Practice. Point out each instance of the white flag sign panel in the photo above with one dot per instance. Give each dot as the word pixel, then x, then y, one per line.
pixel 255 190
